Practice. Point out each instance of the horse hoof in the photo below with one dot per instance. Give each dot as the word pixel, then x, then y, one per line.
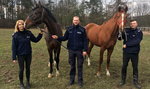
pixel 98 74
pixel 89 64
pixel 57 73
pixel 108 74
pixel 50 75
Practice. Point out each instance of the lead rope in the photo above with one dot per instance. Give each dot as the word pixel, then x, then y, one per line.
pixel 52 38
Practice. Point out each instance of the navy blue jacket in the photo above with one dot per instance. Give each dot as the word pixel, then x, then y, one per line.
pixel 77 38
pixel 21 43
pixel 132 40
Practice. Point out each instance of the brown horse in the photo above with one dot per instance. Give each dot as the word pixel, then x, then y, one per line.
pixel 39 15
pixel 105 36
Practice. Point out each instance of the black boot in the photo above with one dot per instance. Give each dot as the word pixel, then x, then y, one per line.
pixel 22 86
pixel 80 84
pixel 71 82
pixel 135 82
pixel 28 86
pixel 123 81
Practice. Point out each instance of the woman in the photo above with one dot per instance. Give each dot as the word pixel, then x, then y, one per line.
pixel 21 50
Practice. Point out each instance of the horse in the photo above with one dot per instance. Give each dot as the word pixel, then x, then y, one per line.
pixel 40 15
pixel 105 35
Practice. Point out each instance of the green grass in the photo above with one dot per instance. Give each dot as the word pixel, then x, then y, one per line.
pixel 40 70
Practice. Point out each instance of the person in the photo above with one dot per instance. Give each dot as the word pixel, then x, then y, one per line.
pixel 21 50
pixel 77 47
pixel 131 49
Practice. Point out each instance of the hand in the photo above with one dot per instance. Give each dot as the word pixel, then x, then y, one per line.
pixel 84 53
pixel 124 46
pixel 54 37
pixel 42 30
pixel 14 61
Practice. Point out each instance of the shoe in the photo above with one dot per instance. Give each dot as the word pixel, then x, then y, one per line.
pixel 123 80
pixel 22 86
pixel 135 81
pixel 28 86
pixel 71 83
pixel 137 85
pixel 122 83
pixel 80 85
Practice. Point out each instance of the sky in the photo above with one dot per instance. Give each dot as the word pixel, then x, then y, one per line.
pixel 108 1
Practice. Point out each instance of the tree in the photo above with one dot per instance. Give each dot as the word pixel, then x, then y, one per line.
pixel 96 11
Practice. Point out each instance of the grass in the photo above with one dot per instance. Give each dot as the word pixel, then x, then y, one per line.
pixel 40 70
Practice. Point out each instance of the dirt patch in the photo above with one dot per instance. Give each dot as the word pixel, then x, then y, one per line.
pixel 8 77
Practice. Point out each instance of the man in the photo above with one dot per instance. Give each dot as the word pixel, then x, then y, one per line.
pixel 77 47
pixel 131 48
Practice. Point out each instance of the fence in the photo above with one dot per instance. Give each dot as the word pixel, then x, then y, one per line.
pixel 147 29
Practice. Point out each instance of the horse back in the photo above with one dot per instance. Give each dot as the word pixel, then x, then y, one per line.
pixel 92 31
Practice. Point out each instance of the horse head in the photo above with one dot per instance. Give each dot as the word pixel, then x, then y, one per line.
pixel 36 17
pixel 121 16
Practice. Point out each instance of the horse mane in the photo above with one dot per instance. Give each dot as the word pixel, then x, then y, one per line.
pixel 50 14
pixel 113 17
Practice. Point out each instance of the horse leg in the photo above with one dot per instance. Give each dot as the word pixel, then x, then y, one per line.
pixel 109 52
pixel 57 54
pixel 100 60
pixel 51 62
pixel 89 53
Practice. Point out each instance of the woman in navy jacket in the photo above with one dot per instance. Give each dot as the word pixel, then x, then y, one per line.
pixel 21 50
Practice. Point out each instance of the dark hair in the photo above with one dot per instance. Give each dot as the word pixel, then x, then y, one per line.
pixel 133 20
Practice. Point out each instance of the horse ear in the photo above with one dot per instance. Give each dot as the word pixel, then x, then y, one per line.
pixel 40 5
pixel 126 8
pixel 35 4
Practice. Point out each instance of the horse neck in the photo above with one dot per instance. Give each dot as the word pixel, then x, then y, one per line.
pixel 51 25
pixel 113 29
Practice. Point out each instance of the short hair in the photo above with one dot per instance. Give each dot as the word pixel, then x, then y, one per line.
pixel 133 20
pixel 76 17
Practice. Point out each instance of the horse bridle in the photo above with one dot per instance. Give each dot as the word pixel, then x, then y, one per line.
pixel 40 19
pixel 122 23
pixel 42 15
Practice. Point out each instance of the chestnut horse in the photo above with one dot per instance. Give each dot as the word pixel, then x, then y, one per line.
pixel 39 15
pixel 105 35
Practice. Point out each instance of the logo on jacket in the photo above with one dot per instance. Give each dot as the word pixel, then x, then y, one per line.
pixel 28 36
pixel 79 33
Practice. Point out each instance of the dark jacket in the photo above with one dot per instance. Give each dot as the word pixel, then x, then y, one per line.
pixel 77 39
pixel 21 43
pixel 132 40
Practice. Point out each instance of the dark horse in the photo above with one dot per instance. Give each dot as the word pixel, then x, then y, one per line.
pixel 41 15
pixel 105 35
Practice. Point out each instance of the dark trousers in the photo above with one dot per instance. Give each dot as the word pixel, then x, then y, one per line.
pixel 72 61
pixel 24 59
pixel 134 60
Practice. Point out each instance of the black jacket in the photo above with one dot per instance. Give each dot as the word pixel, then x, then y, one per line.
pixel 132 40
pixel 77 39
pixel 21 43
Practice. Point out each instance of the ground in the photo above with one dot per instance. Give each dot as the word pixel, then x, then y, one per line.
pixel 40 70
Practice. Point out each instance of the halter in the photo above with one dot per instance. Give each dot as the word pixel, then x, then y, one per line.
pixel 41 18
pixel 122 23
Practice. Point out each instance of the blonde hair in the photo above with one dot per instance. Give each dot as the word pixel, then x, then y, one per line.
pixel 16 26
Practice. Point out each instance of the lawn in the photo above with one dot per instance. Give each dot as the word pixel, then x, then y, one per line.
pixel 40 70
